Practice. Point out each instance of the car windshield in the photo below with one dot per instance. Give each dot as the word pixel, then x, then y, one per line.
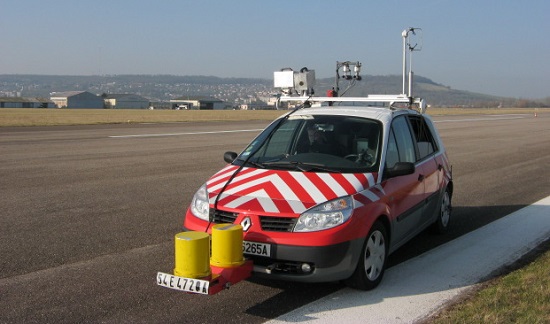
pixel 317 143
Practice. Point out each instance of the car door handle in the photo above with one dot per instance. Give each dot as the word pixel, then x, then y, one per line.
pixel 420 177
pixel 439 167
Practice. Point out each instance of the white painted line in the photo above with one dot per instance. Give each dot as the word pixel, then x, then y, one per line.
pixel 419 287
pixel 478 119
pixel 506 115
pixel 491 117
pixel 181 134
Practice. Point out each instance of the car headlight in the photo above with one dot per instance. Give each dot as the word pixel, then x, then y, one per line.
pixel 199 205
pixel 325 216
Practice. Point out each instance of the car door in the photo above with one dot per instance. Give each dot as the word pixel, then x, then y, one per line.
pixel 405 194
pixel 429 169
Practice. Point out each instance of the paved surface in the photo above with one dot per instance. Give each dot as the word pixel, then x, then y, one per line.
pixel 87 217
pixel 419 287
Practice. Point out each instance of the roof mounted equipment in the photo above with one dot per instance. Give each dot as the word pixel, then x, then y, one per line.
pixel 298 86
pixel 290 81
pixel 407 46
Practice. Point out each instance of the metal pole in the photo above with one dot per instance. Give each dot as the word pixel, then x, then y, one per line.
pixel 404 35
pixel 410 75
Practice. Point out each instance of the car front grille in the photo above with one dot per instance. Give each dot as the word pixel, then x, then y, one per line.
pixel 277 224
pixel 268 223
pixel 219 216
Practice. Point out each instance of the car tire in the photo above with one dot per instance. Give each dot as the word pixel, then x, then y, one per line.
pixel 372 263
pixel 441 225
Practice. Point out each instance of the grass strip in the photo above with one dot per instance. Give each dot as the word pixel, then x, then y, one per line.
pixel 50 117
pixel 520 296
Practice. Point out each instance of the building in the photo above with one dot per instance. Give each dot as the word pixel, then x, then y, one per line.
pixel 76 99
pixel 125 101
pixel 20 102
pixel 197 102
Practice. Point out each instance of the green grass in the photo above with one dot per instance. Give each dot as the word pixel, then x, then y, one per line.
pixel 50 117
pixel 521 296
pixel 47 117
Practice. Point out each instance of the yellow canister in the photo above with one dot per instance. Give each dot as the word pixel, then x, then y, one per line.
pixel 192 254
pixel 227 245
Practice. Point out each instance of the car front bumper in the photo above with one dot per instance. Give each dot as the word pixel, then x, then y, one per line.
pixel 327 263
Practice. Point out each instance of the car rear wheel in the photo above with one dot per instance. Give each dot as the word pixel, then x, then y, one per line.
pixel 371 265
pixel 441 225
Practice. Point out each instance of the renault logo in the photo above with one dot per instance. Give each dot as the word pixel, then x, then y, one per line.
pixel 246 223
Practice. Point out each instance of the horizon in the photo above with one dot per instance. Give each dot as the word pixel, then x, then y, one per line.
pixel 150 85
pixel 490 47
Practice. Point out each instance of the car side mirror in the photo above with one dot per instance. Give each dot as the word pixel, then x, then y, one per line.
pixel 229 157
pixel 400 169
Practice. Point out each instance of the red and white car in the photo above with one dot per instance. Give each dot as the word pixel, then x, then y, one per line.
pixel 327 193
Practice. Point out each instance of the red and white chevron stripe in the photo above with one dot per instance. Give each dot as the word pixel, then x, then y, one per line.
pixel 284 192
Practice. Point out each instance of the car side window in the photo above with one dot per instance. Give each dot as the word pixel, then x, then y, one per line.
pixel 400 144
pixel 423 136
pixel 392 154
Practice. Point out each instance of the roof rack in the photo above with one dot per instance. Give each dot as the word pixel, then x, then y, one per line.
pixel 392 101
pixel 298 86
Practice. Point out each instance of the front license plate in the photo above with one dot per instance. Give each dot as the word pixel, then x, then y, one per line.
pixel 196 286
pixel 256 248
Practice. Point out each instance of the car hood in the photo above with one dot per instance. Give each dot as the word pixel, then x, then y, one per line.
pixel 279 191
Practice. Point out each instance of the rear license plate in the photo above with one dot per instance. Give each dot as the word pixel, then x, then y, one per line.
pixel 196 286
pixel 256 248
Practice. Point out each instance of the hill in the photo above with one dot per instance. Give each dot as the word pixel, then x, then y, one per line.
pixel 162 88
pixel 435 94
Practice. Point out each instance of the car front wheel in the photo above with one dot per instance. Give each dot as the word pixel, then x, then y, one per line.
pixel 371 265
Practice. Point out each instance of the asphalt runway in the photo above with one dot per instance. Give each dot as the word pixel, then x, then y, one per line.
pixel 88 214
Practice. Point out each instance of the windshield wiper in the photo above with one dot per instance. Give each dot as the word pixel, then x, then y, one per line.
pixel 255 164
pixel 302 166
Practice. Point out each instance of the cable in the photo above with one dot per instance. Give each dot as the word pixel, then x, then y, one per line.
pixel 215 207
pixel 351 85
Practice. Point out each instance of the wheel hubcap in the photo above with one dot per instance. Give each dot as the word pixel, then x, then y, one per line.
pixel 375 254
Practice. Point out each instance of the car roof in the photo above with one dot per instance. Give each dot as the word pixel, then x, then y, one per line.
pixel 382 114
